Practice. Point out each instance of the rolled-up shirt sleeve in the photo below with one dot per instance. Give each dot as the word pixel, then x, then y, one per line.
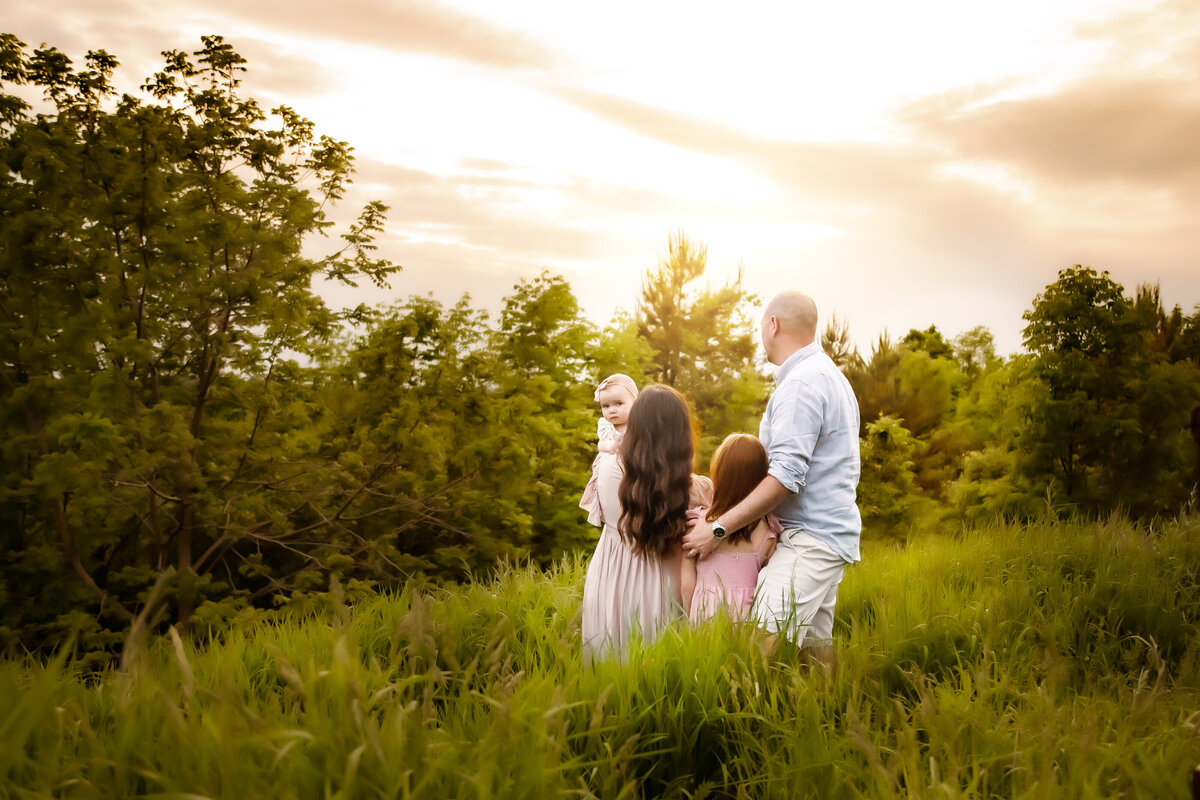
pixel 795 426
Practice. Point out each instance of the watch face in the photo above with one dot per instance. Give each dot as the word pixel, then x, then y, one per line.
pixel 718 531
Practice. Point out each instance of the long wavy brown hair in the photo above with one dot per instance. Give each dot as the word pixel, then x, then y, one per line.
pixel 657 453
pixel 738 466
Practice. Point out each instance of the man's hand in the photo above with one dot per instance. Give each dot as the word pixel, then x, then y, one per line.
pixel 699 541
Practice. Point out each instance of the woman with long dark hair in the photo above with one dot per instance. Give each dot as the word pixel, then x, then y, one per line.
pixel 633 580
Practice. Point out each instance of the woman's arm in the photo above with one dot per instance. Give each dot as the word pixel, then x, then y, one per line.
pixel 687 582
pixel 608 482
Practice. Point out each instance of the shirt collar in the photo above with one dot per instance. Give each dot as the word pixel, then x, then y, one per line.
pixel 795 358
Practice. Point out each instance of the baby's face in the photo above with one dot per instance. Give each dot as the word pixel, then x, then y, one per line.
pixel 614 405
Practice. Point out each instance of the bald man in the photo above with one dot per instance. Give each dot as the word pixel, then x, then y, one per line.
pixel 810 431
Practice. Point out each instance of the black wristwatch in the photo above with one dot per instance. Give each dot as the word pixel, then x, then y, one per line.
pixel 718 530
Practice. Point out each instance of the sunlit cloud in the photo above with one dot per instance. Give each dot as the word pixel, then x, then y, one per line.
pixel 406 26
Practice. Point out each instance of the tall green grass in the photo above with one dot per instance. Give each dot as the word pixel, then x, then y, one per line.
pixel 1054 660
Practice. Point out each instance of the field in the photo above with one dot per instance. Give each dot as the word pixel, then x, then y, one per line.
pixel 1060 659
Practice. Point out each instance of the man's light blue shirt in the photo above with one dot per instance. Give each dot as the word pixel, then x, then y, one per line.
pixel 810 430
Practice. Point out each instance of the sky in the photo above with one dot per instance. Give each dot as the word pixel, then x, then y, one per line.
pixel 933 162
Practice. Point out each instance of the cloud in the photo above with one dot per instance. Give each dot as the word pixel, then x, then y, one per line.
pixel 124 29
pixel 485 212
pixel 1131 124
pixel 1141 132
pixel 837 182
pixel 137 41
pixel 406 26
pixel 922 240
pixel 273 70
pixel 492 218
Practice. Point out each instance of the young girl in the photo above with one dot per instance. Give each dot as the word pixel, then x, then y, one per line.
pixel 728 576
pixel 615 394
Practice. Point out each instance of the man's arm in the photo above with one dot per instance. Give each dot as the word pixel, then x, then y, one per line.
pixel 768 494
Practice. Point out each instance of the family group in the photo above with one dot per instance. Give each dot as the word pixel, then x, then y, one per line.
pixel 765 538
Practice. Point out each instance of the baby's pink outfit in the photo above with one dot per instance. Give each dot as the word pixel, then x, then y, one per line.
pixel 726 578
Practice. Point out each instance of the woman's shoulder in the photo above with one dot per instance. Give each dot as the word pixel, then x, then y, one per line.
pixel 701 493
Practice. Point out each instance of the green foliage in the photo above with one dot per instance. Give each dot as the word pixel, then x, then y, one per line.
pixel 835 342
pixel 1093 419
pixel 621 349
pixel 703 342
pixel 975 350
pixel 990 488
pixel 920 391
pixel 1057 660
pixel 154 292
pixel 1109 430
pixel 928 341
pixel 910 384
pixel 886 488
pixel 472 440
pixel 991 415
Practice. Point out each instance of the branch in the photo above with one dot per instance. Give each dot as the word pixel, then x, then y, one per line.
pixel 72 557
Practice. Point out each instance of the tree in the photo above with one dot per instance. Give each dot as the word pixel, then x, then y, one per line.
pixel 154 295
pixel 619 348
pixel 975 350
pixel 542 345
pixel 908 384
pixel 887 495
pixel 473 439
pixel 1110 426
pixel 835 341
pixel 703 341
pixel 991 416
pixel 929 341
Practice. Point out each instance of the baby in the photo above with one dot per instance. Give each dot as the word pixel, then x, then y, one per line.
pixel 615 394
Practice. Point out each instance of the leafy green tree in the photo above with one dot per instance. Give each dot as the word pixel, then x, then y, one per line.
pixel 929 341
pixel 408 419
pixel 990 488
pixel 703 340
pixel 619 348
pixel 1188 343
pixel 474 440
pixel 975 350
pixel 154 295
pixel 543 349
pixel 887 495
pixel 910 384
pixel 876 381
pixel 1110 428
pixel 990 417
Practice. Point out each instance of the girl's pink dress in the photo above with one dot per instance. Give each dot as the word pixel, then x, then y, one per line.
pixel 726 579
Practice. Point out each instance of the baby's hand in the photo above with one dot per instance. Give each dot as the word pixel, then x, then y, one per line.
pixel 608 446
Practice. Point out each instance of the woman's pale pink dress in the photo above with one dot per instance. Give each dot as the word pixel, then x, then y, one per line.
pixel 625 592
